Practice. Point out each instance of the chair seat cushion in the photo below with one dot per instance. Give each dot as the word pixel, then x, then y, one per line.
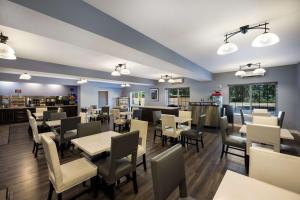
pixel 49 134
pixel 75 172
pixel 191 133
pixel 120 121
pixel 169 132
pixel 236 141
pixel 123 167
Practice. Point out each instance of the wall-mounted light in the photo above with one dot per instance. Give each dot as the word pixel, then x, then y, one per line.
pixel 263 40
pixel 6 52
pixel 25 76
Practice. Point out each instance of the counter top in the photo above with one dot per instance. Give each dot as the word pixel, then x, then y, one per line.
pixel 13 108
pixel 158 107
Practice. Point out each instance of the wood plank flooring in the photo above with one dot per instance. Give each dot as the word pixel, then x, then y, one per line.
pixel 27 177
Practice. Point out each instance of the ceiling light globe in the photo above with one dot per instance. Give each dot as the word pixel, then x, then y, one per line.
pixel 127 85
pixel 6 52
pixel 259 71
pixel 171 80
pixel 161 80
pixel 25 76
pixel 265 39
pixel 115 73
pixel 123 85
pixel 227 48
pixel 240 73
pixel 125 71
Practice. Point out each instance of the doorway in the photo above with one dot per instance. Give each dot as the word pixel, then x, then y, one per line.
pixel 102 98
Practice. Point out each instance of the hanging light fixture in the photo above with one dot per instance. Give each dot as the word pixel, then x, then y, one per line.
pixel 263 40
pixel 82 81
pixel 165 78
pixel 125 85
pixel 259 71
pixel 25 76
pixel 240 73
pixel 120 69
pixel 171 80
pixel 6 52
pixel 161 80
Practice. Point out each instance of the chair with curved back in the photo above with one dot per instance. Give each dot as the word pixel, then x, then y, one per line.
pixel 117 120
pixel 280 116
pixel 157 124
pixel 37 136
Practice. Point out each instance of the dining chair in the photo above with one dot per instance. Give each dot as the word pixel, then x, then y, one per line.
pixel 118 164
pixel 137 114
pixel 263 120
pixel 266 135
pixel 243 118
pixel 261 112
pixel 29 114
pixel 47 114
pixel 280 117
pixel 169 129
pixel 105 113
pixel 57 116
pixel 117 120
pixel 65 176
pixel 142 127
pixel 83 117
pixel 168 173
pixel 194 136
pixel 275 168
pixel 67 132
pixel 230 141
pixel 186 115
pixel 86 129
pixel 41 109
pixel 157 124
pixel 37 136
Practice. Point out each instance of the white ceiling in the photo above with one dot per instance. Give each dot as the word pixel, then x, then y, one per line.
pixel 195 28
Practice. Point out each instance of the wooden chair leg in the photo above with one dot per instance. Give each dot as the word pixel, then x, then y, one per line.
pixel 33 147
pixel 135 187
pixel 36 150
pixel 223 149
pixel 112 191
pixel 197 145
pixel 50 191
pixel 202 144
pixel 59 196
pixel 227 147
pixel 154 136
pixel 144 162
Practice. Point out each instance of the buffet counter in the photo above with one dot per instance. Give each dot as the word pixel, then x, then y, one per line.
pixel 19 114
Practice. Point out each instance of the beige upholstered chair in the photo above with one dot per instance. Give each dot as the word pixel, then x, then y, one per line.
pixel 83 117
pixel 275 168
pixel 186 115
pixel 118 121
pixel 68 175
pixel 142 127
pixel 29 114
pixel 263 120
pixel 36 136
pixel 40 110
pixel 169 128
pixel 263 134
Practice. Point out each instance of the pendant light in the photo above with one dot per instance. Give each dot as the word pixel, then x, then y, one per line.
pixel 115 73
pixel 124 70
pixel 25 76
pixel 161 80
pixel 240 73
pixel 227 48
pixel 171 80
pixel 120 69
pixel 6 52
pixel 259 71
pixel 265 39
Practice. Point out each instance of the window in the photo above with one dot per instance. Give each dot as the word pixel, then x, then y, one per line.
pixel 250 96
pixel 178 96
pixel 137 98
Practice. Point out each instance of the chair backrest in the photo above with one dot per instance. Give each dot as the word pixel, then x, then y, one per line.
pixel 28 113
pixel 105 110
pixel 201 123
pixel 83 117
pixel 54 170
pixel 156 117
pixel 242 116
pixel 272 121
pixel 264 134
pixel 224 127
pixel 85 129
pixel 58 115
pixel 168 173
pixel 137 114
pixel 93 106
pixel 122 146
pixel 34 129
pixel 261 114
pixel 168 122
pixel 46 115
pixel 41 109
pixel 281 115
pixel 142 127
pixel 68 124
pixel 275 168
pixel 187 115
pixel 116 114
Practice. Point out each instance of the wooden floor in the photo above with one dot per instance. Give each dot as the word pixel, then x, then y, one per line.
pixel 27 177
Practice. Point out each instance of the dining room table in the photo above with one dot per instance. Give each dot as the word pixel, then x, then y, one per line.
pixel 38 115
pixel 53 123
pixel 284 133
pixel 235 186
pixel 95 144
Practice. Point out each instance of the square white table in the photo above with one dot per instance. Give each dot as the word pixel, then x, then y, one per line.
pixel 235 186
pixel 95 144
pixel 38 115
pixel 53 123
pixel 284 133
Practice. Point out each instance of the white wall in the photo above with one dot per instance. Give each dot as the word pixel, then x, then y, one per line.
pixel 89 93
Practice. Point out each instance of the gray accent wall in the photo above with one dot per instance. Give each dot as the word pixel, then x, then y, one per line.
pixel 285 76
